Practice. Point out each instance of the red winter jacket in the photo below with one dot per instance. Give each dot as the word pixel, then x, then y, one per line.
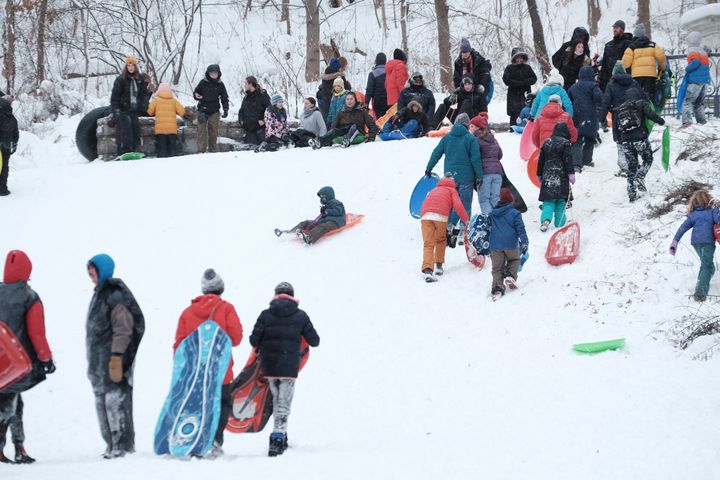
pixel 551 115
pixel 443 198
pixel 18 270
pixel 200 311
pixel 396 76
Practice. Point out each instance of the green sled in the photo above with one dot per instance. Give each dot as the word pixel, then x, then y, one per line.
pixel 359 139
pixel 666 149
pixel 131 156
pixel 597 347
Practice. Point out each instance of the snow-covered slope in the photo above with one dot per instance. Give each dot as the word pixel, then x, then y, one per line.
pixel 411 380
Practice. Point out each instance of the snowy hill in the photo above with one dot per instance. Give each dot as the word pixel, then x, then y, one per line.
pixel 411 380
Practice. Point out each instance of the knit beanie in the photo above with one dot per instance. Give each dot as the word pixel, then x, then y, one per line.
pixel 335 63
pixel 480 120
pixel 464 45
pixel 284 288
pixel 506 196
pixel 639 30
pixel 276 98
pixel 380 59
pixel 339 82
pixel 212 283
pixel 555 98
pixel 164 87
pixel 130 59
pixel 618 68
pixel 620 24
pixel 554 77
pixel 463 119
pixel 399 55
pixel 467 80
pixel 693 41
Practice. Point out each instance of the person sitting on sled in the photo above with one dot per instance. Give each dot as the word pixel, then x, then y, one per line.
pixel 332 217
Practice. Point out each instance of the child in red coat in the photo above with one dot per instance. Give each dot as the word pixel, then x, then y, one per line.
pixel 433 220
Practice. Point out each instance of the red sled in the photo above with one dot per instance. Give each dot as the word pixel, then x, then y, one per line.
pixel 473 257
pixel 252 401
pixel 351 219
pixel 14 361
pixel 532 166
pixel 564 245
pixel 526 142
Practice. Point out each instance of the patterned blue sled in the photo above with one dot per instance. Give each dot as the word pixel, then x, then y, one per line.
pixel 191 413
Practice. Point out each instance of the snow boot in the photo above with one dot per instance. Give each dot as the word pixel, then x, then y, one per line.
pixel 699 297
pixel 262 147
pixel 439 269
pixel 348 139
pixel 497 293
pixel 304 236
pixel 286 441
pixel 21 455
pixel 641 184
pixel 544 225
pixel 113 453
pixel 511 283
pixel 429 277
pixel 632 197
pixel 4 193
pixel 277 444
pixel 4 459
pixel 215 452
pixel 314 143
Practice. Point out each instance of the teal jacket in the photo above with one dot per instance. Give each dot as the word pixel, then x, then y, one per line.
pixel 332 209
pixel 543 97
pixel 336 104
pixel 462 155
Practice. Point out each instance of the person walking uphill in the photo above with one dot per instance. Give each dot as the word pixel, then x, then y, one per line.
pixel 21 310
pixel 644 60
pixel 508 241
pixel 129 100
pixel 278 335
pixel 614 51
pixel 519 78
pixel 209 306
pixel 462 162
pixel 555 172
pixel 375 91
pixel 697 74
pixel 164 108
pixel 702 215
pixel 210 94
pixel 252 111
pixel 9 136
pixel 115 326
pixel 491 154
pixel 587 100
pixel 396 76
pixel 551 115
pixel 434 223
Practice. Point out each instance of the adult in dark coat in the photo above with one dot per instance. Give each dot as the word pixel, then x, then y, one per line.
pixel 210 94
pixel 574 58
pixel 579 34
pixel 252 111
pixel 471 64
pixel 613 52
pixel 9 136
pixel 519 78
pixel 324 94
pixel 587 101
pixel 375 90
pixel 416 90
pixel 129 99
pixel 466 99
pixel 115 326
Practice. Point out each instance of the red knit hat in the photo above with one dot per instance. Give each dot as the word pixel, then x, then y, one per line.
pixel 480 120
pixel 506 196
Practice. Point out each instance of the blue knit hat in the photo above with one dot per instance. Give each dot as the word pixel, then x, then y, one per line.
pixel 276 98
pixel 104 265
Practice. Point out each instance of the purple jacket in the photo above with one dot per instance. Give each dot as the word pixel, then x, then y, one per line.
pixel 490 153
pixel 701 220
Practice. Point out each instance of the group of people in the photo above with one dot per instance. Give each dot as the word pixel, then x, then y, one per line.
pixel 114 330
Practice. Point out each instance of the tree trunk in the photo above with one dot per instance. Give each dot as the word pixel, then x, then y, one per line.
pixel 404 11
pixel 539 38
pixel 285 15
pixel 593 16
pixel 9 60
pixel 41 27
pixel 644 15
pixel 312 44
pixel 441 12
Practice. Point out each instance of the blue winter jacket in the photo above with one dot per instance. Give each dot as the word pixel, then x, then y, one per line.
pixel 543 97
pixel 336 104
pixel 507 229
pixel 587 101
pixel 697 72
pixel 462 155
pixel 701 220
pixel 332 209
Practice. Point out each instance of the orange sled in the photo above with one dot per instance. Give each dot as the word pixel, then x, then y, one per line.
pixel 532 166
pixel 564 245
pixel 441 132
pixel 14 361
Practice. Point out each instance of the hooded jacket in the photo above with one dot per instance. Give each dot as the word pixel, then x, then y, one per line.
pixel 507 230
pixel 443 198
pixel 355 116
pixel 406 114
pixel 479 68
pixel 579 34
pixel 490 152
pixel 701 220
pixel 396 75
pixel 213 92
pixel 587 101
pixel 571 65
pixel 129 94
pixel 641 110
pixel 519 79
pixel 419 93
pixel 332 209
pixel 470 102
pixel 278 335
pixel 9 132
pixel 164 108
pixel 336 104
pixel 643 58
pixel 375 90
pixel 698 68
pixel 621 88
pixel 614 51
pixel 210 307
pixel 543 97
pixel 252 110
pixel 462 156
pixel 555 165
pixel 550 116
pixel 22 311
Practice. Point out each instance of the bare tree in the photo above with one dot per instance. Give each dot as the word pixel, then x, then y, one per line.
pixel 643 15
pixel 593 15
pixel 404 12
pixel 443 26
pixel 285 16
pixel 41 28
pixel 539 38
pixel 9 44
pixel 312 41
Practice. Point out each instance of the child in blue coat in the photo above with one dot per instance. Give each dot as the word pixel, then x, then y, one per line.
pixel 701 218
pixel 508 241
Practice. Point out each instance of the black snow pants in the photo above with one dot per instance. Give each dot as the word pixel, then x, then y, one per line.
pixel 128 132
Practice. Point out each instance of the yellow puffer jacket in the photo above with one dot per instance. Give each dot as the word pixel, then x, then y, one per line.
pixel 164 107
pixel 642 58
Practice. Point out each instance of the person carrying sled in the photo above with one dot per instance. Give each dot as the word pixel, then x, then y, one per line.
pixel 375 92
pixel 465 100
pixel 551 115
pixel 129 100
pixel 332 217
pixel 115 326
pixel 508 241
pixel 210 94
pixel 350 122
pixel 519 78
pixel 434 216
pixel 697 79
pixel 338 100
pixel 556 173
pixel 165 107
pixel 251 115
pixel 702 214
pixel 396 76
pixel 209 306
pixel 277 336
pixel 587 100
pixel 21 310
pixel 462 162
pixel 470 63
pixel 416 90
pixel 9 136
pixel 312 124
pixel 491 154
pixel 632 119
pixel 410 122
pixel 613 51
pixel 553 86
pixel 645 61
pixel 276 127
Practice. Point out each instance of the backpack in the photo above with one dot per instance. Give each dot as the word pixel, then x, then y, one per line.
pixel 628 116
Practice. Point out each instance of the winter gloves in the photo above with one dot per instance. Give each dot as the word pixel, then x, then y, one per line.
pixel 673 247
pixel 116 368
pixel 225 114
pixel 428 173
pixel 571 178
pixel 48 366
pixel 478 184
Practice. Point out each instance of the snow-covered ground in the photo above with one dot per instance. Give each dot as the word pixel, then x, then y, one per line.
pixel 411 380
